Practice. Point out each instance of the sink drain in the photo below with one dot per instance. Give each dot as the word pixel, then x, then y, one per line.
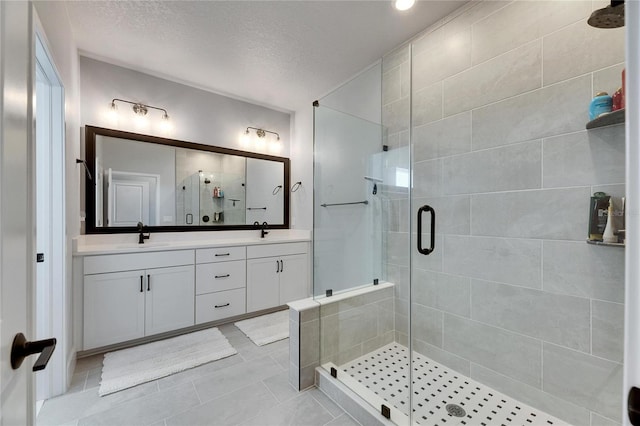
pixel 455 410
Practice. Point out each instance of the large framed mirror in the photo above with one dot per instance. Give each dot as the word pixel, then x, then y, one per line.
pixel 172 185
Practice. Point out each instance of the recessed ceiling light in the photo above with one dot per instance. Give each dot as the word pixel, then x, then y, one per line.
pixel 404 4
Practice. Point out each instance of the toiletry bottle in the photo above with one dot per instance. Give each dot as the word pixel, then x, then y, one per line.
pixel 597 215
pixel 608 236
pixel 624 87
pixel 617 100
pixel 600 104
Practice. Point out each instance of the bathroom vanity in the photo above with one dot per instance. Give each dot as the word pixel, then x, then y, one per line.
pixel 180 282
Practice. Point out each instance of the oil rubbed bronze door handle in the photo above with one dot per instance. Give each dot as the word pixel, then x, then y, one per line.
pixel 148 282
pixel 426 251
pixel 222 276
pixel 21 348
pixel 222 306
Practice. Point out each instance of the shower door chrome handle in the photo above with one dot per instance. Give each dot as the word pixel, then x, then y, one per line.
pixel 421 210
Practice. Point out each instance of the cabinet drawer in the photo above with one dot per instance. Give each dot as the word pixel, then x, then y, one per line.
pixel 223 304
pixel 220 254
pixel 132 261
pixel 270 250
pixel 220 276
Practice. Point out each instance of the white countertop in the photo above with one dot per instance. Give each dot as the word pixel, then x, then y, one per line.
pixel 97 244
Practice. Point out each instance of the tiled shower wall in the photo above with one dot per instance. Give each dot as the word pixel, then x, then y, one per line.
pixel 512 296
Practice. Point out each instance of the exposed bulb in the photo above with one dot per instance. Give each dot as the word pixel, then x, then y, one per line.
pixel 404 4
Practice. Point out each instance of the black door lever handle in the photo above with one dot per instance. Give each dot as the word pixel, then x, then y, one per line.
pixel 21 348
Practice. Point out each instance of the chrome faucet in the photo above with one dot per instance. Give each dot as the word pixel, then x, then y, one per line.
pixel 263 228
pixel 142 237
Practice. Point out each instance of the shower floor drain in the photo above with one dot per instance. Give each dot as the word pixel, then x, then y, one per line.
pixel 455 410
pixel 441 396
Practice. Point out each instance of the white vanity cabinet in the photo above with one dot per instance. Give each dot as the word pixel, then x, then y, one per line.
pixel 276 274
pixel 220 283
pixel 134 294
pixel 128 296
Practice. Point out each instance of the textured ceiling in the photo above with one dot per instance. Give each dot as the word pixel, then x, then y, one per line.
pixel 278 53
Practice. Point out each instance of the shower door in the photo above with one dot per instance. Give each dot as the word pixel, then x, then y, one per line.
pixel 514 318
pixel 353 205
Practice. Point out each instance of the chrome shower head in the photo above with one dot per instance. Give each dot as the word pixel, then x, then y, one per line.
pixel 611 16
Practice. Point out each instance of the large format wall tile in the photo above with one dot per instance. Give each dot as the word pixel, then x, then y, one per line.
pixel 522 22
pixel 442 138
pixel 453 214
pixel 511 354
pixel 559 214
pixel 584 270
pixel 395 116
pixel 431 262
pixel 500 169
pixel 507 75
pixel 583 379
pixel 442 60
pixel 391 86
pixel 426 324
pixel 396 57
pixel 608 79
pixel 549 111
pixel 448 293
pixel 551 404
pixel 426 105
pixel 504 260
pixel 551 317
pixel 475 12
pixel 582 46
pixel 427 178
pixel 397 249
pixel 608 330
pixel 461 365
pixel 585 158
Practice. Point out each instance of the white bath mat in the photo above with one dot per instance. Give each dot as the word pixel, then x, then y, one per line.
pixel 133 366
pixel 266 329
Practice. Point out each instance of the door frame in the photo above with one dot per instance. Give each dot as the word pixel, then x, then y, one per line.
pixel 54 378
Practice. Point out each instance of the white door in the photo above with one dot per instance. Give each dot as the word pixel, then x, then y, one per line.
pixel 17 254
pixel 632 251
pixel 128 202
pixel 169 299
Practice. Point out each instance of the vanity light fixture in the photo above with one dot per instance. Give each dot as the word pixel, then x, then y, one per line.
pixel 404 4
pixel 139 109
pixel 261 133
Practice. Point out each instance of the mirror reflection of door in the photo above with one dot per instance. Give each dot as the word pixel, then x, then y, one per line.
pixel 132 198
pixel 265 191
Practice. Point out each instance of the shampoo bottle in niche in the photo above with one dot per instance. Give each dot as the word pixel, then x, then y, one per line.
pixel 608 236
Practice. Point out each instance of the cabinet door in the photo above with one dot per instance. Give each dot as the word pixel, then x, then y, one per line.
pixel 294 275
pixel 170 299
pixel 263 283
pixel 113 308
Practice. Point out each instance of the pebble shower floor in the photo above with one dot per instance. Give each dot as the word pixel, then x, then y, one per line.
pixel 439 392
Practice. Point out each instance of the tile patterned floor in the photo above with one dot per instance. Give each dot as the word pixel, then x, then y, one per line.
pixel 437 390
pixel 249 388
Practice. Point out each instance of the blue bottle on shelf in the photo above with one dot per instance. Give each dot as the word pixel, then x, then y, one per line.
pixel 600 104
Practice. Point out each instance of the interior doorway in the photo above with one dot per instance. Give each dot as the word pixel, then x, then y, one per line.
pixel 50 221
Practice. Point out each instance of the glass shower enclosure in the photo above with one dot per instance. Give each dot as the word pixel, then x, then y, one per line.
pixel 450 263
